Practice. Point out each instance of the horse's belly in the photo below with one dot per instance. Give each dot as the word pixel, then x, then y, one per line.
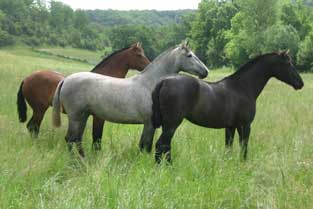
pixel 116 113
pixel 119 118
pixel 121 109
pixel 208 123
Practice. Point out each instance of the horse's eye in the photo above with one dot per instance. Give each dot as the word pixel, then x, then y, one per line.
pixel 189 55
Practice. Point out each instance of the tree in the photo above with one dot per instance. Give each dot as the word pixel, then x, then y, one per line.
pixel 124 36
pixel 173 34
pixel 247 34
pixel 61 15
pixel 81 19
pixel 305 53
pixel 208 30
pixel 299 15
pixel 281 37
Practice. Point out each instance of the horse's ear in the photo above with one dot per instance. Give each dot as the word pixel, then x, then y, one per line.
pixel 185 44
pixel 284 53
pixel 134 45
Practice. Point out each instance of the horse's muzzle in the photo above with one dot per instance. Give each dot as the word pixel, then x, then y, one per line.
pixel 299 85
pixel 203 75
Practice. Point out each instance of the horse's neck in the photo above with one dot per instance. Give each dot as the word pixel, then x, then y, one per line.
pixel 253 80
pixel 115 67
pixel 156 70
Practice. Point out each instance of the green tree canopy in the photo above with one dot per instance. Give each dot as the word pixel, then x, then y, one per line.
pixel 124 36
pixel 208 30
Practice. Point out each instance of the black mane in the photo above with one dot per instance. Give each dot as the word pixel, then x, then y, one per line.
pixel 247 66
pixel 108 57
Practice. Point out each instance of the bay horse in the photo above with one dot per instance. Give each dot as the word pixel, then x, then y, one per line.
pixel 39 87
pixel 229 103
pixel 117 100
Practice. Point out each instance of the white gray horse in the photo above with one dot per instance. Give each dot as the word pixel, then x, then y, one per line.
pixel 118 100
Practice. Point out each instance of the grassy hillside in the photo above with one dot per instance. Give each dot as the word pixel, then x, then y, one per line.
pixel 91 57
pixel 40 173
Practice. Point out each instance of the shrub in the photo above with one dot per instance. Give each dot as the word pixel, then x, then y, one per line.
pixel 281 37
pixel 305 54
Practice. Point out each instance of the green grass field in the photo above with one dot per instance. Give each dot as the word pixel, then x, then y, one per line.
pixel 40 173
pixel 80 54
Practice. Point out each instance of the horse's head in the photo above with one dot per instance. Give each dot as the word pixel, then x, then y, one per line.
pixel 188 62
pixel 136 57
pixel 285 71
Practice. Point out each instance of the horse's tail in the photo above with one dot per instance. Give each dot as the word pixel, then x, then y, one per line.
pixel 156 117
pixel 21 104
pixel 56 112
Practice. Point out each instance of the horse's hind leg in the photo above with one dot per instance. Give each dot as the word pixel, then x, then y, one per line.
pixel 163 145
pixel 97 131
pixel 229 137
pixel 146 139
pixel 34 123
pixel 75 131
pixel 244 133
pixel 30 125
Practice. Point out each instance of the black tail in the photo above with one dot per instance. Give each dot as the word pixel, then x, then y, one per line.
pixel 156 117
pixel 21 105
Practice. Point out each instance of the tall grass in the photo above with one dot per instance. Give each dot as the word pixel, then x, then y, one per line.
pixel 40 173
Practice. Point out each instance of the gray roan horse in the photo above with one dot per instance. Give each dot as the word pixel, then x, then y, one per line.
pixel 119 100
pixel 229 103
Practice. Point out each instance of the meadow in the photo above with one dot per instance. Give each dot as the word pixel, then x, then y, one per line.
pixel 40 173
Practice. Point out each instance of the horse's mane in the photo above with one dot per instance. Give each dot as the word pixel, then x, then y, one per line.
pixel 106 59
pixel 245 67
pixel 158 58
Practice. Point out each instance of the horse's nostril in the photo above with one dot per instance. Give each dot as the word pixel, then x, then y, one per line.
pixel 203 75
pixel 299 85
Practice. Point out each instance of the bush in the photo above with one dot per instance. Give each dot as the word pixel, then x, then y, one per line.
pixel 305 54
pixel 235 50
pixel 281 37
pixel 6 38
pixel 32 41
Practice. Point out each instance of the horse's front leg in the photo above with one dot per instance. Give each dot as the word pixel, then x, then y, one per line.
pixel 146 139
pixel 97 131
pixel 244 133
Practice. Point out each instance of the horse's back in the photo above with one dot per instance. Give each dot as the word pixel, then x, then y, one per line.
pixel 39 87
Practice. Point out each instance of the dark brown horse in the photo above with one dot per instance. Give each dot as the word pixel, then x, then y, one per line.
pixel 38 88
pixel 229 103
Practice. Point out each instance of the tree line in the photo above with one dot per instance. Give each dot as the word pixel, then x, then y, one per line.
pixel 152 18
pixel 230 32
pixel 36 23
pixel 221 32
